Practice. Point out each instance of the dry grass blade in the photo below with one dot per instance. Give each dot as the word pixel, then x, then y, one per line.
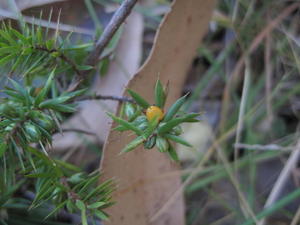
pixel 253 46
pixel 248 212
pixel 282 179
pixel 242 109
pixel 262 35
pixel 270 147
pixel 296 218
pixel 268 86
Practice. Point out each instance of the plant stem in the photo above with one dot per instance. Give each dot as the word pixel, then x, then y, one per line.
pixel 118 18
pixel 105 97
pixel 116 21
pixel 63 57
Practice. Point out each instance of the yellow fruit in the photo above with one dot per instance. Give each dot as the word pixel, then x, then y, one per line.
pixel 153 112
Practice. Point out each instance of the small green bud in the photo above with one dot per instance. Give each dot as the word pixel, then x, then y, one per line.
pixel 49 44
pixel 27 51
pixel 70 206
pixel 177 130
pixel 162 144
pixel 9 109
pixel 76 178
pixel 32 132
pixel 129 110
pixel 42 119
pixel 55 54
pixel 139 120
pixel 10 127
pixel 161 124
pixel 143 126
pixel 150 142
pixel 56 193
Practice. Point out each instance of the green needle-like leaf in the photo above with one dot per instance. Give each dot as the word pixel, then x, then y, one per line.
pixel 133 144
pixel 177 139
pixel 101 215
pixel 174 108
pixel 165 128
pixel 126 124
pixel 41 96
pixel 74 93
pixel 105 187
pixel 129 110
pixel 172 153
pixel 120 128
pixel 6 59
pixel 21 90
pixel 162 144
pixel 15 95
pixel 57 208
pixel 80 205
pixel 96 205
pixel 137 112
pixel 69 108
pixel 138 99
pixel 160 96
pixel 151 127
pixel 3 147
pixel 54 101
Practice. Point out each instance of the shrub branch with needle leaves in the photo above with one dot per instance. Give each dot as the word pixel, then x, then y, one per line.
pixel 28 53
pixel 29 115
pixel 152 127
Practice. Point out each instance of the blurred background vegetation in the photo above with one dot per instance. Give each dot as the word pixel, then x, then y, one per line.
pixel 245 80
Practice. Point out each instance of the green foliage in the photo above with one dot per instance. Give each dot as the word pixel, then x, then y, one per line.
pixel 154 132
pixel 31 54
pixel 29 115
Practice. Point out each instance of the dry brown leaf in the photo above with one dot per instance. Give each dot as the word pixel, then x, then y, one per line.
pixel 138 197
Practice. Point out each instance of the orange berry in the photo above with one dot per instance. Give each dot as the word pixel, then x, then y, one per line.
pixel 154 111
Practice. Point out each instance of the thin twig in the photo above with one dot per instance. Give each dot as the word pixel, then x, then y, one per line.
pixel 78 131
pixel 105 97
pixel 296 218
pixel 116 21
pixel 270 147
pixel 282 179
pixel 246 208
pixel 62 56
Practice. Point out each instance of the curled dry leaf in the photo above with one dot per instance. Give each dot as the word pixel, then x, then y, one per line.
pixel 143 190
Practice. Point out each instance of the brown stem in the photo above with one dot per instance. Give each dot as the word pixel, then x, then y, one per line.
pixel 105 97
pixel 118 18
pixel 63 57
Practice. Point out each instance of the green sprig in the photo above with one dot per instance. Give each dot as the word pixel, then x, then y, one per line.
pixel 155 132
